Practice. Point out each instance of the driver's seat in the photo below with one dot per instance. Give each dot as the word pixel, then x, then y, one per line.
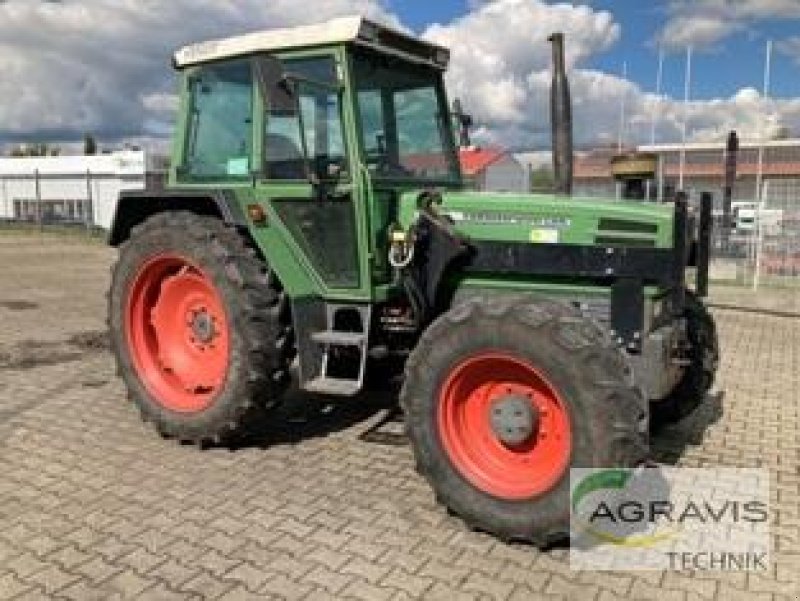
pixel 283 160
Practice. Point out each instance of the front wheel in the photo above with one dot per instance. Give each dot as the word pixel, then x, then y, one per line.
pixel 698 378
pixel 503 395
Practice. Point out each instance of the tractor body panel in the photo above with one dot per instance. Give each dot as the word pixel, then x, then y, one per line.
pixel 542 219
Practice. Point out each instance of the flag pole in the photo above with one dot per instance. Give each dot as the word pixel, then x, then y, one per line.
pixel 687 83
pixel 656 107
pixel 621 131
pixel 622 109
pixel 657 103
pixel 760 170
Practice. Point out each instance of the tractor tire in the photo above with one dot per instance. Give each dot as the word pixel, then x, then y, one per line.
pixel 199 326
pixel 690 392
pixel 502 395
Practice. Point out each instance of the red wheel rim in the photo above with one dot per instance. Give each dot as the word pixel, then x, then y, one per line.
pixel 177 333
pixel 510 471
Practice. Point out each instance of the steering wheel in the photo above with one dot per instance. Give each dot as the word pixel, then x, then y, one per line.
pixel 384 165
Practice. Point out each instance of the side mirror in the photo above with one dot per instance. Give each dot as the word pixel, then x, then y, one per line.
pixel 278 91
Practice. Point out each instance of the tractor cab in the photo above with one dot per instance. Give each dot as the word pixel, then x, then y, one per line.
pixel 366 93
pixel 325 124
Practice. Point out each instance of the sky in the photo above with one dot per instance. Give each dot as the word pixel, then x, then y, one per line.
pixel 68 67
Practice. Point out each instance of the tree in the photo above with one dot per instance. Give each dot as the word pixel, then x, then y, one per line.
pixel 38 149
pixel 89 145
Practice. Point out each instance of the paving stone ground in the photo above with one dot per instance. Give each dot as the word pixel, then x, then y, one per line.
pixel 94 505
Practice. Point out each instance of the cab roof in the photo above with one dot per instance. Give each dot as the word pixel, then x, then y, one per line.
pixel 353 29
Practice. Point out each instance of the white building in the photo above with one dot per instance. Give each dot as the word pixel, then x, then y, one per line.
pixel 71 189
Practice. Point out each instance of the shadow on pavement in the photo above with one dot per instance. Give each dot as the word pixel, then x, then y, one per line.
pixel 302 415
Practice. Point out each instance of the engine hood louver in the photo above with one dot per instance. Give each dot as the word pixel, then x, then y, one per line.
pixel 623 232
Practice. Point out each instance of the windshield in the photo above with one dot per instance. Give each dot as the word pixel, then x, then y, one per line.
pixel 405 131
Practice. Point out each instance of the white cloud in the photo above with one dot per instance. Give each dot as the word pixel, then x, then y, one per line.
pixel 746 111
pixel 703 23
pixel 501 60
pixel 748 9
pixel 104 65
pixel 501 71
pixel 790 47
pixel 696 30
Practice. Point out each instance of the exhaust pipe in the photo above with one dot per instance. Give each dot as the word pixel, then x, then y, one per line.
pixel 561 119
pixel 731 157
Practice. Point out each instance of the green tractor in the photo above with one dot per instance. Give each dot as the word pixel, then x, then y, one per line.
pixel 315 228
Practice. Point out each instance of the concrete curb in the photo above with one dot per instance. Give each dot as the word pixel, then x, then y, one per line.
pixel 756 310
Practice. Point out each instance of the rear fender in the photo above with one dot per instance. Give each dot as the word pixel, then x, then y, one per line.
pixel 136 206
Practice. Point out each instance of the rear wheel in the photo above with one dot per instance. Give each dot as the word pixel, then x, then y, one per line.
pixel 502 396
pixel 198 327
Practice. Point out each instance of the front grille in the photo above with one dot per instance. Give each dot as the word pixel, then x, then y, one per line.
pixel 615 241
pixel 621 232
pixel 623 225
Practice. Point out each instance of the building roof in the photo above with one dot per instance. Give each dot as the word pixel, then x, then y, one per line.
pixel 703 160
pixel 474 160
pixel 355 29
pixel 690 146
pixel 127 162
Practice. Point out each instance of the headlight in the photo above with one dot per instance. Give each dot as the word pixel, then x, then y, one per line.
pixel 653 309
pixel 657 308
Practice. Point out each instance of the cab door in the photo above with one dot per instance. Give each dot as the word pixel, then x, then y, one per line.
pixel 309 178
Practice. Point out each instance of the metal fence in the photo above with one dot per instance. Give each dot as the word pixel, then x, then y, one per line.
pixel 762 246
pixel 68 194
pixel 49 212
pixel 48 200
pixel 777 233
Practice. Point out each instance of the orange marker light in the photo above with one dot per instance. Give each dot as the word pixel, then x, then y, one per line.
pixel 257 214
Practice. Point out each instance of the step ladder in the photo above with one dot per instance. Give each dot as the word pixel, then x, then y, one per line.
pixel 330 339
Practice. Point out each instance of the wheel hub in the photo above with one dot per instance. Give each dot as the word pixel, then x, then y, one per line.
pixel 503 426
pixel 178 333
pixel 202 326
pixel 513 419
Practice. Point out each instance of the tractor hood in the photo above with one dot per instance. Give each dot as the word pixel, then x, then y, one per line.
pixel 544 219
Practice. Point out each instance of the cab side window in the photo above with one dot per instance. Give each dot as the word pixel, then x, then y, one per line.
pixel 320 119
pixel 220 121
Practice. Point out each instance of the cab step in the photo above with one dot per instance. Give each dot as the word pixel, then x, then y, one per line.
pixel 334 338
pixel 333 361
pixel 334 386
